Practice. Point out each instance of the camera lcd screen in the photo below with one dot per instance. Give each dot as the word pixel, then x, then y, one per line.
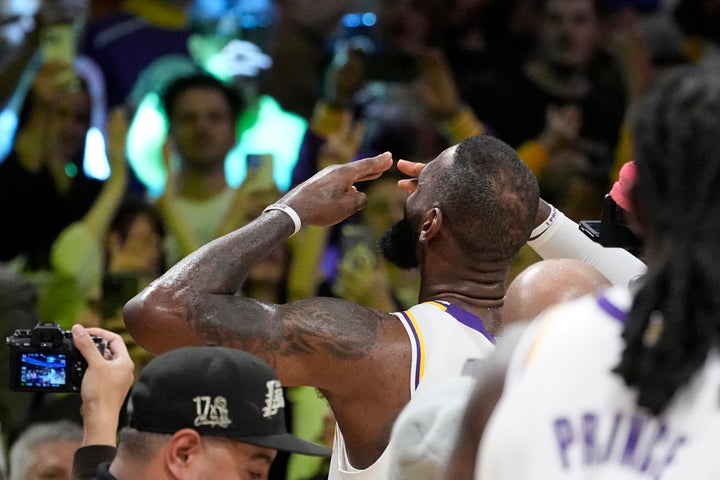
pixel 42 371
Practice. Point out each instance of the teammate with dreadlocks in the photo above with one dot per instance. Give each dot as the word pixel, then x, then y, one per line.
pixel 624 384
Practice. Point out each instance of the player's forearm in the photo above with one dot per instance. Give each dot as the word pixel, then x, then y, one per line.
pixel 167 313
pixel 559 237
pixel 221 266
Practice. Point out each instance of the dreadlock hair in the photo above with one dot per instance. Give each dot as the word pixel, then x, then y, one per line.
pixel 675 318
pixel 490 198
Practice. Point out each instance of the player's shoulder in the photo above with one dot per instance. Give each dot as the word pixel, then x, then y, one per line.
pixel 568 329
pixel 602 309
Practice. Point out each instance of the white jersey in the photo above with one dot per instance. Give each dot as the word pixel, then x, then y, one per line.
pixel 443 337
pixel 565 415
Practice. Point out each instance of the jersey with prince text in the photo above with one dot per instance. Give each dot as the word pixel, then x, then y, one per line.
pixel 565 415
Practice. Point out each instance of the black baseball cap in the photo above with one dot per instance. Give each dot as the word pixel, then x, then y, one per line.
pixel 217 391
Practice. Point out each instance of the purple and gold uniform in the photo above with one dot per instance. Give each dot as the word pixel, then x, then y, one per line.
pixel 564 414
pixel 443 338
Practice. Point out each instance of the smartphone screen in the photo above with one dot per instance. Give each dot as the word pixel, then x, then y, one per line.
pixel 260 168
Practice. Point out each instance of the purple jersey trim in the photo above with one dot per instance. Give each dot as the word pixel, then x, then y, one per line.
pixel 611 309
pixel 468 319
pixel 418 347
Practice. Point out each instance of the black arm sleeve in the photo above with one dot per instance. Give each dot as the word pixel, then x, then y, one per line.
pixel 87 459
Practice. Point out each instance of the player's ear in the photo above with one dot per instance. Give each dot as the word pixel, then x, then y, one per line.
pixel 183 452
pixel 431 224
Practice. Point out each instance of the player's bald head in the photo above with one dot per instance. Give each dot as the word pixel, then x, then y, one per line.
pixel 548 282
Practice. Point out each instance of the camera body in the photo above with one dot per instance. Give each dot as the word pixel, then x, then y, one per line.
pixel 45 359
pixel 612 229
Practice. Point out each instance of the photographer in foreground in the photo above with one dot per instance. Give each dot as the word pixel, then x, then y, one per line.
pixel 104 387
pixel 195 412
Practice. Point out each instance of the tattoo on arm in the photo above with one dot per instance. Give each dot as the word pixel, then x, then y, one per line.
pixel 341 333
pixel 323 326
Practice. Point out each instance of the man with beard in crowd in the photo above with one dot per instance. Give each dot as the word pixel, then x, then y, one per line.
pixel 467 214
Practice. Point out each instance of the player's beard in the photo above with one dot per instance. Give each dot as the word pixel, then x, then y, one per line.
pixel 399 243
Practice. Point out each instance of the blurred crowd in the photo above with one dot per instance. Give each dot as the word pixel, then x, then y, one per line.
pixel 136 131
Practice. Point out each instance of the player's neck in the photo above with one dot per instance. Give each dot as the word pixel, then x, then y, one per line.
pixel 481 293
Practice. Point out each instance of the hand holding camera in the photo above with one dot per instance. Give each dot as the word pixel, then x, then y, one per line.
pixel 105 384
pixel 48 359
pixel 92 361
pixel 45 359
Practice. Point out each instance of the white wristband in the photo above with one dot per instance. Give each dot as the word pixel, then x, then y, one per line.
pixel 287 210
pixel 540 229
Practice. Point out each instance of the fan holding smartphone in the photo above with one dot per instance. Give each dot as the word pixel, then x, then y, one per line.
pixel 257 190
pixel 259 170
